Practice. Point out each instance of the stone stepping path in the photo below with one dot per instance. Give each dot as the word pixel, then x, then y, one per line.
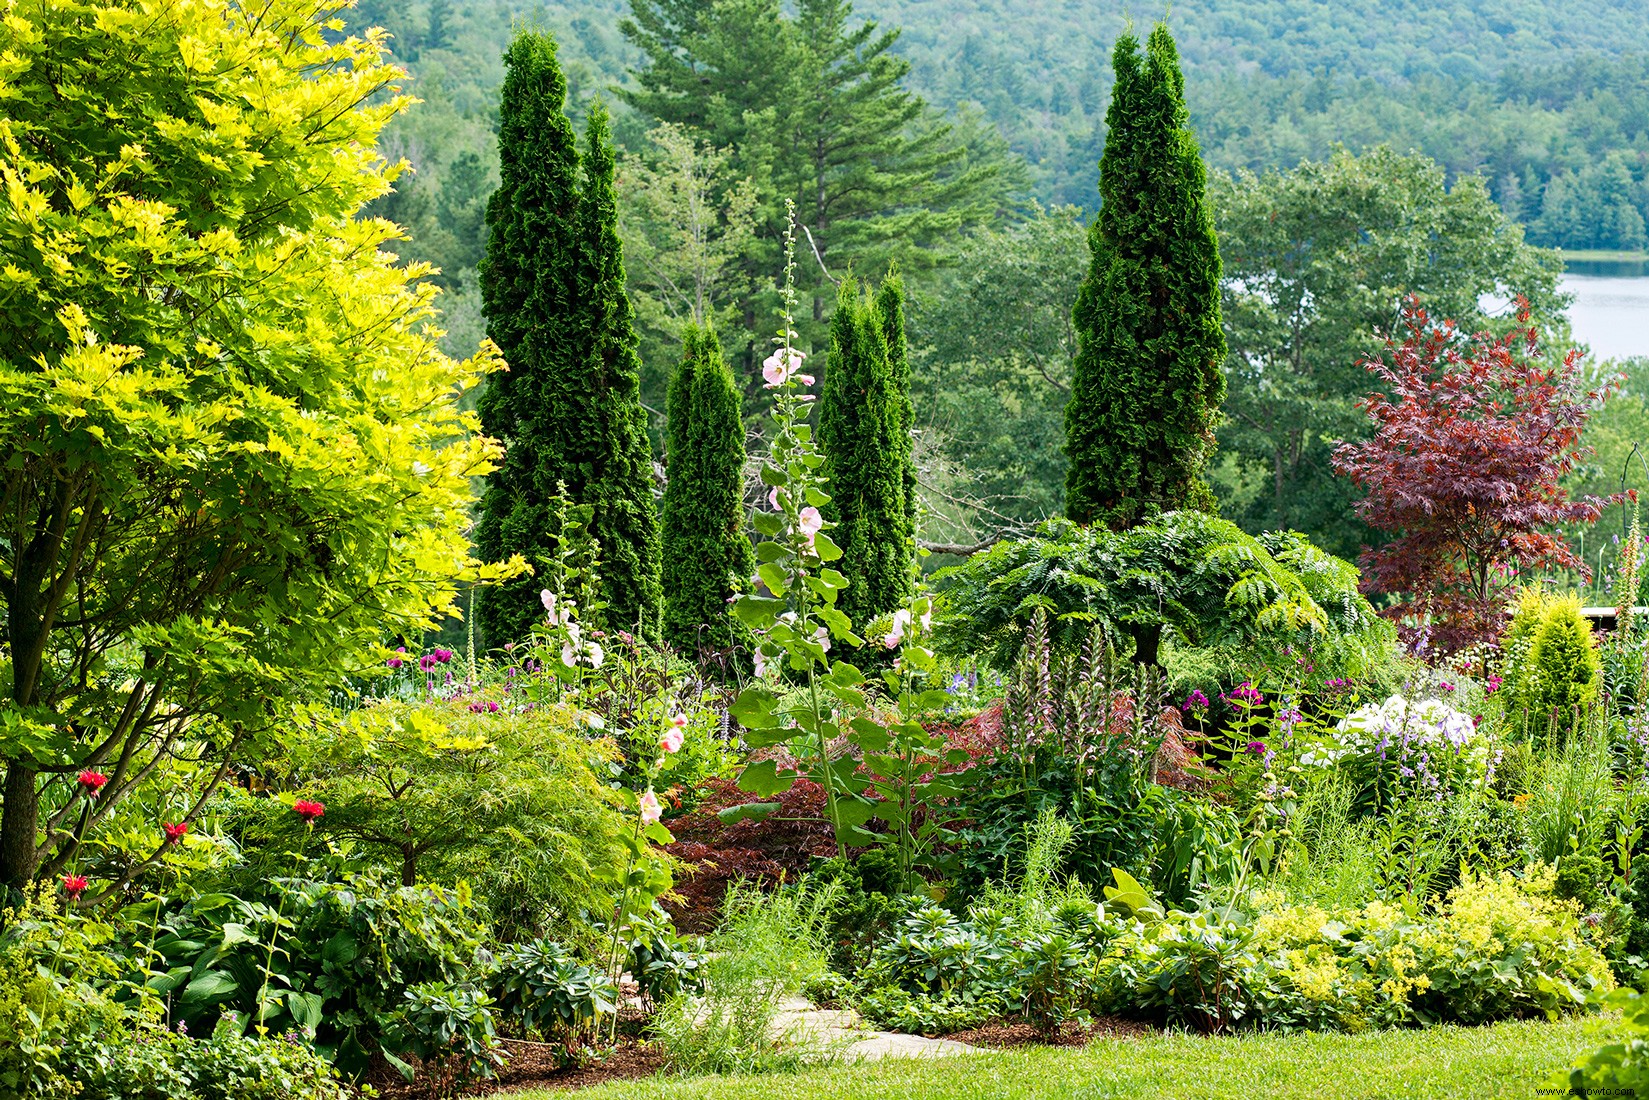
pixel 845 1034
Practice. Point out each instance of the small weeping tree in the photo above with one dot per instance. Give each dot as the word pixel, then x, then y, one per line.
pixel 707 556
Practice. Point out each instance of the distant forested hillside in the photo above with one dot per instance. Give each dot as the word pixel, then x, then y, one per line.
pixel 1548 100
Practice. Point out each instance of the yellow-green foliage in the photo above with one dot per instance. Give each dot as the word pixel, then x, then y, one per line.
pixel 1553 672
pixel 515 801
pixel 42 1008
pixel 1497 947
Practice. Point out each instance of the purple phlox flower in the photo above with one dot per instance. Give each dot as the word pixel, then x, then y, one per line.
pixel 1195 701
pixel 1257 748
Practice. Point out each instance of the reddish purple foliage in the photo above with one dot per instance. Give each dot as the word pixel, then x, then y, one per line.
pixel 1473 436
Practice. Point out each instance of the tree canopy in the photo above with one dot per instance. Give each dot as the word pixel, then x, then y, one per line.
pixel 235 457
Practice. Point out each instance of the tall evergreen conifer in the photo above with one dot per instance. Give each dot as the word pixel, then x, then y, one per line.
pixel 706 552
pixel 861 432
pixel 1147 385
pixel 615 456
pixel 568 409
pixel 890 309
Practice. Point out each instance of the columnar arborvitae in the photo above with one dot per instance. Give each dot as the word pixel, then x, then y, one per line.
pixel 568 409
pixel 1147 386
pixel 706 552
pixel 890 310
pixel 861 433
pixel 616 454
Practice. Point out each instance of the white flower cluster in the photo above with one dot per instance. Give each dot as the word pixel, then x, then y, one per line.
pixel 1411 736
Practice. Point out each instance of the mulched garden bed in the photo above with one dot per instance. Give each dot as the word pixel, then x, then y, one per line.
pixel 1005 1034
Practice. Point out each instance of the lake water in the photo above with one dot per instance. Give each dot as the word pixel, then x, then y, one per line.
pixel 1611 307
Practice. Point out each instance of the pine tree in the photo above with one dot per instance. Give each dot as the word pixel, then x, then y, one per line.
pixel 1147 384
pixel 860 433
pixel 568 409
pixel 706 553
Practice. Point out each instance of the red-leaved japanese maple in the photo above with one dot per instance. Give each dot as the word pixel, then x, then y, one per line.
pixel 1473 436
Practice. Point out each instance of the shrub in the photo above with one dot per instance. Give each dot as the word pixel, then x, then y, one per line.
pixel 450 1028
pixel 1553 671
pixel 61 1034
pixel 1202 579
pixel 1425 746
pixel 541 987
pixel 150 1063
pixel 516 801
pixel 343 957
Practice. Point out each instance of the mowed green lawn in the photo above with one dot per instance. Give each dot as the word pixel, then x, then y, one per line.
pixel 1512 1059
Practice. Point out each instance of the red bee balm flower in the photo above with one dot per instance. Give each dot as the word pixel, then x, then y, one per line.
pixel 74 886
pixel 309 811
pixel 176 833
pixel 91 782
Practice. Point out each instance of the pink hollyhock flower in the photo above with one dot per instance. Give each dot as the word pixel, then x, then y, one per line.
pixel 779 366
pixel 672 739
pixel 74 886
pixel 308 810
pixel 651 810
pixel 176 833
pixel 773 499
pixel 91 782
pixel 901 623
pixel 811 522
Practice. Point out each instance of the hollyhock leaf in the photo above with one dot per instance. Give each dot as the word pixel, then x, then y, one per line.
pixel 762 778
pixel 757 611
pixel 773 576
pixel 750 811
pixel 754 708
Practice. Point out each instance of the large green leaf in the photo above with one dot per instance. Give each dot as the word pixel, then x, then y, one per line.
pixel 754 708
pixel 763 779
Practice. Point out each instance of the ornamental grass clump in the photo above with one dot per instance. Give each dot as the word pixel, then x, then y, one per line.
pixel 769 947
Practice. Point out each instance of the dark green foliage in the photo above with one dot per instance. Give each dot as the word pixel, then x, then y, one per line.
pixel 890 308
pixel 1200 576
pixel 1147 386
pixel 867 455
pixel 707 556
pixel 619 461
pixel 812 104
pixel 569 407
